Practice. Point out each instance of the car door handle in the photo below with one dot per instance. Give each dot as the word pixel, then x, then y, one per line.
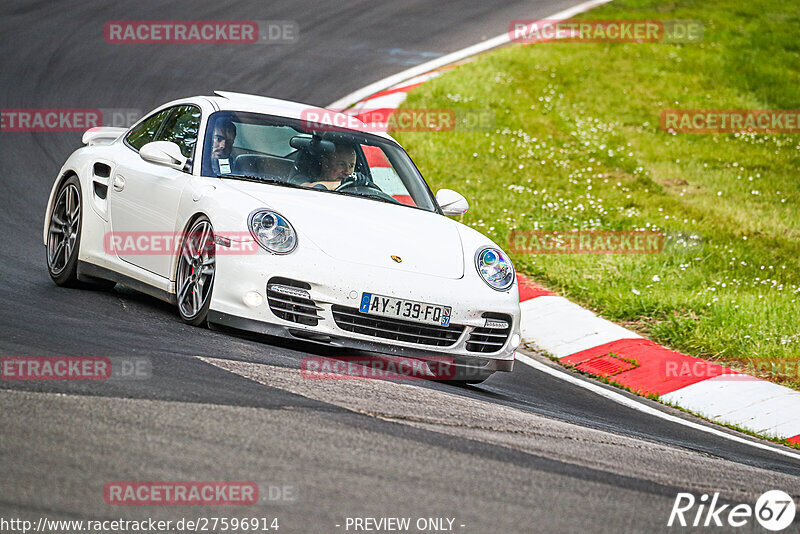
pixel 119 183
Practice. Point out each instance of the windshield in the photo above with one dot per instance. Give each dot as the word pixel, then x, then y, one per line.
pixel 253 146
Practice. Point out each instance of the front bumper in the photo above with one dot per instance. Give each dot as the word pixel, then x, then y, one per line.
pixel 469 366
pixel 469 297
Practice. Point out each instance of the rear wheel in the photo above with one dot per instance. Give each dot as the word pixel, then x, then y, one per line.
pixel 195 277
pixel 64 234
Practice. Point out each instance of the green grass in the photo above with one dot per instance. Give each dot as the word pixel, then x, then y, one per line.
pixel 576 144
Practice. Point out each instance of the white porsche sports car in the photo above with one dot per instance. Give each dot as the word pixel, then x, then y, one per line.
pixel 243 213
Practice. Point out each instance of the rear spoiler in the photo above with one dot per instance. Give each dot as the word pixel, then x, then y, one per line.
pixel 103 135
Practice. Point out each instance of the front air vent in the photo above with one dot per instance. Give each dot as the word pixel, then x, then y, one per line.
pixel 289 300
pixel 352 320
pixel 102 170
pixel 492 336
pixel 101 190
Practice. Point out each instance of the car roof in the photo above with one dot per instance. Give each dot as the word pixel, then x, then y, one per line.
pixel 230 101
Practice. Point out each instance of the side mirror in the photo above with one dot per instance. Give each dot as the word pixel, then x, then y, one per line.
pixel 163 153
pixel 452 203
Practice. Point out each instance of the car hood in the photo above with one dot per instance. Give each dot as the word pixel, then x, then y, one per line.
pixel 367 232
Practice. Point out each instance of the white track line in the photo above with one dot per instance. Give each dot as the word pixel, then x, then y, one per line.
pixel 636 405
pixel 458 55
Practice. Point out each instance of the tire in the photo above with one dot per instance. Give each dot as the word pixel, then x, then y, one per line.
pixel 64 237
pixel 194 278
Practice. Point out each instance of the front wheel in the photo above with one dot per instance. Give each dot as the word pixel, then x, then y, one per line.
pixel 195 277
pixel 64 234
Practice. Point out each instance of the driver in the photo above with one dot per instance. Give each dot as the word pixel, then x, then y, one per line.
pixel 335 167
pixel 223 138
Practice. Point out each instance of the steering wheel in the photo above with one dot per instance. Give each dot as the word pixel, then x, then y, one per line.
pixel 369 188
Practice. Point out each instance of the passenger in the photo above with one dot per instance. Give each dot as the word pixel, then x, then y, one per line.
pixel 223 138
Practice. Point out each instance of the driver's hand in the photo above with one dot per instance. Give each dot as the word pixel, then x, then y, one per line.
pixel 358 178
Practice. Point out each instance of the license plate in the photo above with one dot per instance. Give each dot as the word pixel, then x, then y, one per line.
pixel 409 310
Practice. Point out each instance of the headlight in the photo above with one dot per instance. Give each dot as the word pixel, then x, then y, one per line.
pixel 272 231
pixel 495 268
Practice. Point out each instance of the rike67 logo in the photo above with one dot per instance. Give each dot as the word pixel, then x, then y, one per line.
pixel 774 510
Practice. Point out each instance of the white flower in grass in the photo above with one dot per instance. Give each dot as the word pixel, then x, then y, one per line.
pixel 656 278
pixel 635 291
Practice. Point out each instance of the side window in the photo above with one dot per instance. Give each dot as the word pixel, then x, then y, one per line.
pixel 145 131
pixel 181 128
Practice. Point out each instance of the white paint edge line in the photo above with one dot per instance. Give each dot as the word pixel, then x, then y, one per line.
pixel 401 89
pixel 458 55
pixel 636 405
pixel 392 100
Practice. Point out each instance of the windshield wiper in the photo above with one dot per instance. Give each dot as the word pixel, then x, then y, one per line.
pixel 260 180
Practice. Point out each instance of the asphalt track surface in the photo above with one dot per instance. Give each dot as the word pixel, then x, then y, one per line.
pixel 524 452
